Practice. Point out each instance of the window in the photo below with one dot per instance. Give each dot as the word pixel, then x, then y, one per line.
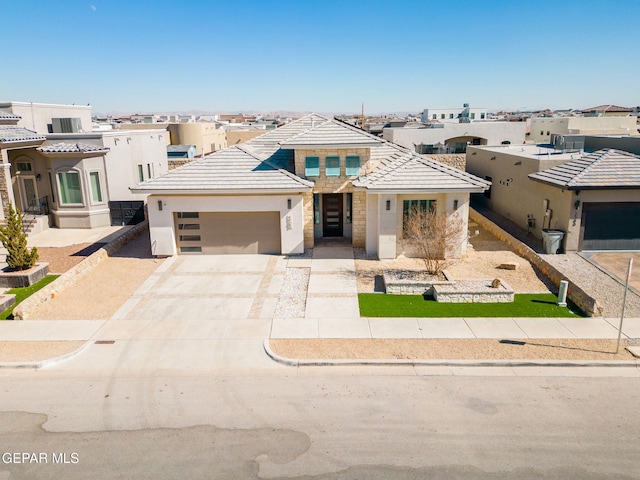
pixel 94 181
pixel 69 186
pixel 312 167
pixel 482 116
pixel 140 173
pixel 349 206
pixel 353 166
pixel 53 197
pixel 547 132
pixel 188 215
pixel 411 207
pixel 472 116
pixel 316 208
pixel 442 116
pixel 190 249
pixel 188 226
pixel 435 117
pixel 24 167
pixel 332 166
pixel 189 238
pixel 149 174
pixel 541 132
pixel 451 115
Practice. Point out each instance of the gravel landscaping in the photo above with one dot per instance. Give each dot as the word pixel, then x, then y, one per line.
pixel 448 349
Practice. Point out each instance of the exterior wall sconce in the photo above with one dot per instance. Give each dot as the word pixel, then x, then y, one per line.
pixel 388 205
pixel 38 177
pixel 455 204
pixel 289 203
pixel 159 204
pixel 577 204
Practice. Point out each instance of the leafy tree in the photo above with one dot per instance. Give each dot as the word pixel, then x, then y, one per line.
pixel 433 237
pixel 15 241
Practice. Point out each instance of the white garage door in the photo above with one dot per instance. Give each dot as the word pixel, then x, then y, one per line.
pixel 228 232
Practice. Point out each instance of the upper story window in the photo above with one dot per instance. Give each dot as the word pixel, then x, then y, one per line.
pixel 332 165
pixel 434 117
pixel 472 116
pixel 140 173
pixel 482 115
pixel 69 187
pixel 353 166
pixel 312 167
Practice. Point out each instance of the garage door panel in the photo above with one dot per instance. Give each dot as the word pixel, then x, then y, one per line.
pixel 611 226
pixel 232 233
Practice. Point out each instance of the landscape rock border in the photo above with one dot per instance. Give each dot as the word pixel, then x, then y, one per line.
pixel 21 312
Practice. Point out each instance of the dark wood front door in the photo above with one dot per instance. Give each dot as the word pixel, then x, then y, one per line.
pixel 332 215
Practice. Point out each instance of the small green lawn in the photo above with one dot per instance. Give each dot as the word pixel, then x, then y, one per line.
pixel 524 305
pixel 24 292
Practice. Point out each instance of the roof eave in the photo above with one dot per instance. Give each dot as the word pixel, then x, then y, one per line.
pixel 94 153
pixel 22 143
pixel 211 191
pixel 402 191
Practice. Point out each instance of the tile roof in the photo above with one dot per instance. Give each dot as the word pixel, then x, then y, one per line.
pixel 601 170
pixel 263 163
pixel 13 133
pixel 63 147
pixel 9 116
pixel 413 172
pixel 331 133
pixel 608 108
pixel 231 169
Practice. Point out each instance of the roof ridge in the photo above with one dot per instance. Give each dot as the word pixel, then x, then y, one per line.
pixel 597 158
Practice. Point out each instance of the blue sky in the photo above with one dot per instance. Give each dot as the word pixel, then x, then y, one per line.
pixel 324 56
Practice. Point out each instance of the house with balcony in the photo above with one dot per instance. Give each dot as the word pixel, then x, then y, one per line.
pixel 310 179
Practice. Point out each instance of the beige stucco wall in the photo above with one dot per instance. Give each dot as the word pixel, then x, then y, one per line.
pixel 513 194
pixel 236 137
pixel 36 116
pixel 161 222
pixel 581 125
pixel 207 137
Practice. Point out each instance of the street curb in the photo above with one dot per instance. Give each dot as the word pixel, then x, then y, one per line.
pixel 294 362
pixel 44 363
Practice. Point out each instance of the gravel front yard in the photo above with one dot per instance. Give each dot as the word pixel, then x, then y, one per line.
pixel 480 261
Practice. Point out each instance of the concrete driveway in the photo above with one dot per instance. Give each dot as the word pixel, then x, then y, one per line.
pixel 617 264
pixel 194 312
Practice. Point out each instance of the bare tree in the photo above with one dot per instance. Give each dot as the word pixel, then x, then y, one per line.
pixel 433 237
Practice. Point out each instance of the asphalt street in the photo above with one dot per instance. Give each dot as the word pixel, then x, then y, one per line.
pixel 336 422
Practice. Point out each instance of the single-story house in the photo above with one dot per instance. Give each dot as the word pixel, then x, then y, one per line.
pixel 597 198
pixel 309 179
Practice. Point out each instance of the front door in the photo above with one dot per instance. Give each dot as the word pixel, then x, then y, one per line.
pixel 29 191
pixel 332 215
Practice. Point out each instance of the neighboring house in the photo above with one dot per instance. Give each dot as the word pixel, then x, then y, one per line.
pixel 238 136
pixel 454 115
pixel 607 111
pixel 594 198
pixel 543 127
pixel 309 179
pixel 76 179
pixel 50 118
pixel 455 137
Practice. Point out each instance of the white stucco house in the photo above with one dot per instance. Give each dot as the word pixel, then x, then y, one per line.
pixel 310 179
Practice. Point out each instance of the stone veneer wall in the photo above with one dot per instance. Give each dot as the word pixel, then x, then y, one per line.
pixel 578 296
pixel 359 219
pixel 4 189
pixel 307 201
pixel 178 162
pixel 341 184
pixel 455 160
pixel 68 278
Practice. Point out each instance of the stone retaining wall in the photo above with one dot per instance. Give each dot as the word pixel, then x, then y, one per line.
pixel 21 312
pixel 578 296
pixel 473 291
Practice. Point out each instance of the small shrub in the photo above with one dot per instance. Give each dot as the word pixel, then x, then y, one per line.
pixel 19 257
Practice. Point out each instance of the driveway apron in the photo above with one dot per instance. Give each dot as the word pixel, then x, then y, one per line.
pixel 194 312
